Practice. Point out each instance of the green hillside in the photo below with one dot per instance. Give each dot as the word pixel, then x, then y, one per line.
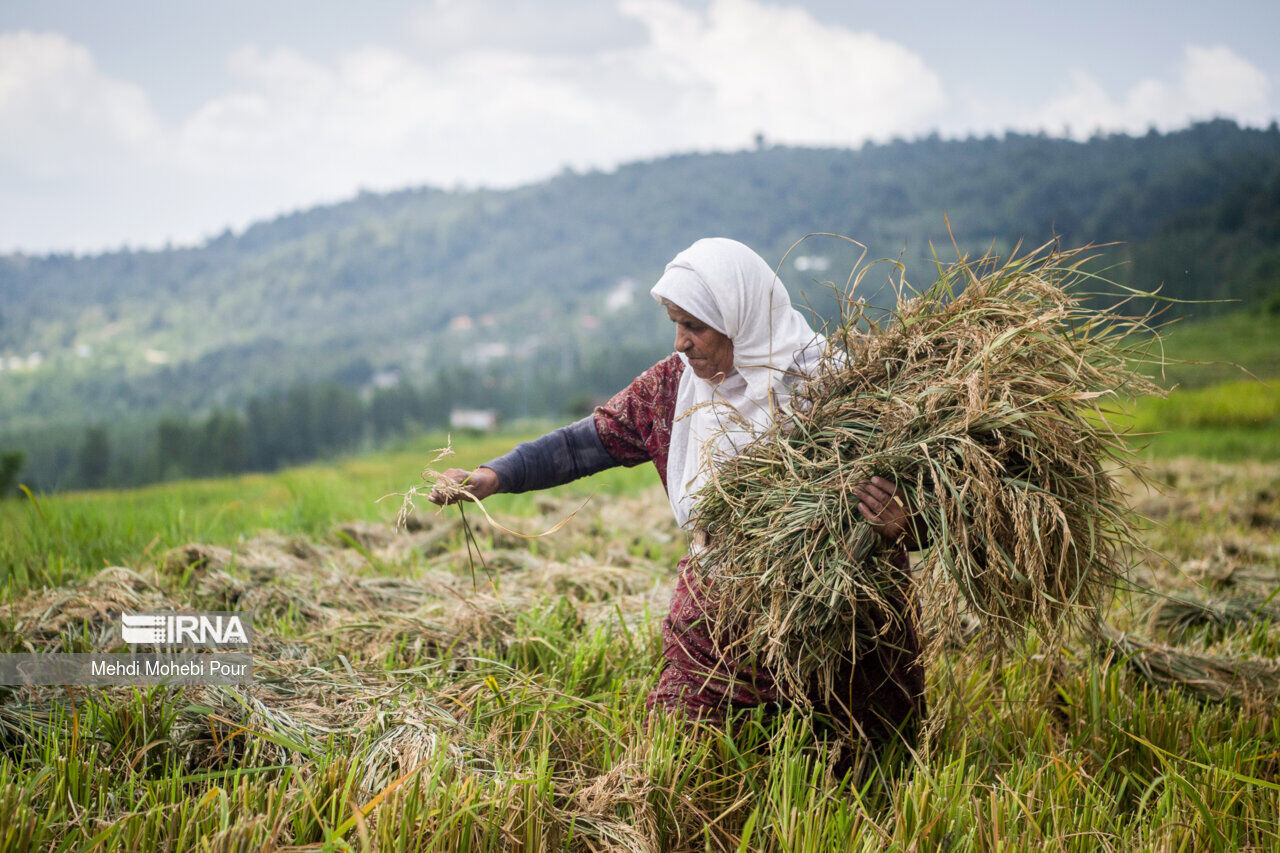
pixel 1223 349
pixel 375 282
pixel 519 300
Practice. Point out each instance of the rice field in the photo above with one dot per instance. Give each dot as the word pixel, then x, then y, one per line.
pixel 416 694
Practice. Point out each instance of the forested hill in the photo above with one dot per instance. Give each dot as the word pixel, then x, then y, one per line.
pixel 516 294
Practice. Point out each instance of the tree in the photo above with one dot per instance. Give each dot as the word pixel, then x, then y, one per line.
pixel 172 438
pixel 95 457
pixel 10 466
pixel 225 443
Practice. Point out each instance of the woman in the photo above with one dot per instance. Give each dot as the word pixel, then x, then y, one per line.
pixel 740 346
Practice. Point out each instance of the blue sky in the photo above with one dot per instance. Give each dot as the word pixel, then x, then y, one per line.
pixel 138 123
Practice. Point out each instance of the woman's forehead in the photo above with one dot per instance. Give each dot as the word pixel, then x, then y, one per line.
pixel 675 312
pixel 678 314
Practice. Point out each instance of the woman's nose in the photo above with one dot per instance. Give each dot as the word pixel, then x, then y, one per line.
pixel 682 342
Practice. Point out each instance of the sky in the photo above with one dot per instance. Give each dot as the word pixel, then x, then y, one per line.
pixel 142 124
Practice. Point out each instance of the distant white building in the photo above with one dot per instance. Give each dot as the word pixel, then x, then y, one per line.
pixel 20 364
pixel 484 353
pixel 817 263
pixel 622 294
pixel 385 379
pixel 484 420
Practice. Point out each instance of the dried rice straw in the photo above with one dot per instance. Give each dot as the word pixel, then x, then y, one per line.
pixel 981 397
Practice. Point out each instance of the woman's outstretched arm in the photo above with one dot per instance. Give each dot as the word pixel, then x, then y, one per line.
pixel 632 428
pixel 559 457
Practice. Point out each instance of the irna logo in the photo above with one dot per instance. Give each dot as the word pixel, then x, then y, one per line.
pixel 185 629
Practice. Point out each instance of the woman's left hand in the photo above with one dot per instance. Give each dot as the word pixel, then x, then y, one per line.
pixel 882 505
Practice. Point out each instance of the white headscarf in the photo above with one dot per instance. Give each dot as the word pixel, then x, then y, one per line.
pixel 734 291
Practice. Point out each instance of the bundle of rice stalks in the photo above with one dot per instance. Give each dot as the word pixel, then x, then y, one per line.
pixel 1221 570
pixel 1208 677
pixel 1178 615
pixel 81 617
pixel 22 722
pixel 980 397
pixel 294 712
pixel 273 576
pixel 431 633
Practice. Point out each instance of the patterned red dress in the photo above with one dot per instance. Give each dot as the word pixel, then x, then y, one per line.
pixel 885 691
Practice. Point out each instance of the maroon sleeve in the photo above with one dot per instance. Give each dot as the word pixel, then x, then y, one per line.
pixel 635 426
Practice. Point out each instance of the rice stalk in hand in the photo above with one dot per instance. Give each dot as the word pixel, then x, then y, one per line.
pixel 436 482
pixel 430 480
pixel 982 398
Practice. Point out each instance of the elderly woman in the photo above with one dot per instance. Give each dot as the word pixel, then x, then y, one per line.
pixel 740 347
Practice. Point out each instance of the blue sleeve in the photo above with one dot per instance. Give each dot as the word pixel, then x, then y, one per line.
pixel 559 457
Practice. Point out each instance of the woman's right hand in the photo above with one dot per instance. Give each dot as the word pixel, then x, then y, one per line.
pixel 481 483
pixel 881 504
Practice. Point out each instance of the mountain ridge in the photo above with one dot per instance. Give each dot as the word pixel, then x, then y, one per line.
pixel 400 281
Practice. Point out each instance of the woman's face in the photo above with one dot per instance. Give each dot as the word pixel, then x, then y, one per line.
pixel 710 353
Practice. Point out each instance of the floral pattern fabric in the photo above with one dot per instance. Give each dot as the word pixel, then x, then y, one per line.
pixel 635 426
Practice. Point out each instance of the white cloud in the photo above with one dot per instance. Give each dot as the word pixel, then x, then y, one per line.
pixel 87 162
pixel 502 93
pixel 1211 81
pixel 1216 80
pixel 59 115
pixel 80 152
pixel 292 131
pixel 748 66
pixel 502 116
pixel 561 27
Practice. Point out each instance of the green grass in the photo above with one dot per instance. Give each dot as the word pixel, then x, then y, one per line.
pixel 1224 402
pixel 541 738
pixel 1214 350
pixel 1218 445
pixel 1226 422
pixel 1109 764
pixel 1125 770
pixel 49 540
pixel 1240 405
